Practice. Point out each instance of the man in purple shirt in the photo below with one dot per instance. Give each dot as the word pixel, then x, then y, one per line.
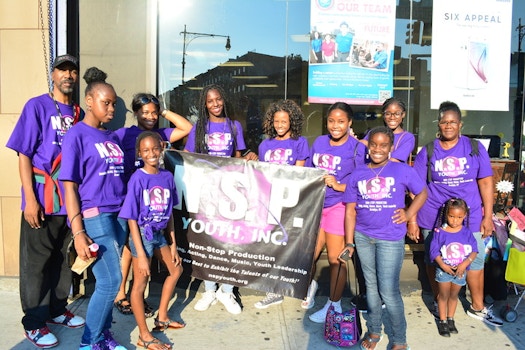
pixel 45 277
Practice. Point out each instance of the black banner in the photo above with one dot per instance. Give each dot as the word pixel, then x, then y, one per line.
pixel 247 223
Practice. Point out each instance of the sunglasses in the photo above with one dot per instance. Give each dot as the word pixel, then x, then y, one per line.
pixel 145 100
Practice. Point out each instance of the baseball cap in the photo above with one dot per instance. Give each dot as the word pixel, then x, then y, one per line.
pixel 65 58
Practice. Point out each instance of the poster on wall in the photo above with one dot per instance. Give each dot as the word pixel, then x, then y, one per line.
pixel 351 51
pixel 246 223
pixel 471 54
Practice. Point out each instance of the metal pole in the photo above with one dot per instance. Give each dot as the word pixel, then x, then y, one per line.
pixel 183 54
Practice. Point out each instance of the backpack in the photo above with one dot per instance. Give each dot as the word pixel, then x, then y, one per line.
pixel 474 145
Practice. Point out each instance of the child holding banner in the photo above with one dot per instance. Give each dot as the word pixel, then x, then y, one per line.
pixel 217 135
pixel 283 123
pixel 375 225
pixel 336 153
pixel 148 208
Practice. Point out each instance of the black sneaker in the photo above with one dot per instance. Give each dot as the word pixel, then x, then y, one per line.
pixel 443 329
pixel 452 326
pixel 486 315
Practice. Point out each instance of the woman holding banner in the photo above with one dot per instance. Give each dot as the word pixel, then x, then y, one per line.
pixel 227 141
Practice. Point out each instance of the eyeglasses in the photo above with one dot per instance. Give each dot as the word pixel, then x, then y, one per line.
pixel 393 114
pixel 449 122
pixel 145 100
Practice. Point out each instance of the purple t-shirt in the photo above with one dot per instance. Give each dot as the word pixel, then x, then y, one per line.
pixel 94 160
pixel 128 139
pixel 219 138
pixel 453 247
pixel 150 198
pixel 38 134
pixel 378 192
pixel 404 143
pixel 454 173
pixel 338 161
pixel 287 151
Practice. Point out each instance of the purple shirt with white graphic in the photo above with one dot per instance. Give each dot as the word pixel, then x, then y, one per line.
pixel 128 139
pixel 94 160
pixel 150 198
pixel 378 192
pixel 287 151
pixel 338 161
pixel 38 134
pixel 454 173
pixel 219 138
pixel 453 247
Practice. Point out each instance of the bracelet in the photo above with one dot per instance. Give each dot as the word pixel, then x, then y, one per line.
pixel 164 112
pixel 350 245
pixel 77 233
pixel 412 222
pixel 74 217
pixel 468 257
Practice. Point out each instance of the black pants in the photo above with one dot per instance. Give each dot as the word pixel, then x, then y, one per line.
pixel 45 276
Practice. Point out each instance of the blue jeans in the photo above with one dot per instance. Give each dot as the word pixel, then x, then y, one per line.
pixel 109 232
pixel 381 261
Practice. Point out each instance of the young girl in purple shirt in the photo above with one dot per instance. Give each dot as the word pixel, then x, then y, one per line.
pixel 453 248
pixel 92 174
pixel 336 153
pixel 375 225
pixel 283 123
pixel 148 208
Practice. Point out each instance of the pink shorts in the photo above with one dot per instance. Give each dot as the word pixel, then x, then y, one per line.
pixel 333 219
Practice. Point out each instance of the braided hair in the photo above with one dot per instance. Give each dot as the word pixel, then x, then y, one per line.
pixel 453 203
pixel 201 127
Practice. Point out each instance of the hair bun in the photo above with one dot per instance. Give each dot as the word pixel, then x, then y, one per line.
pixel 93 74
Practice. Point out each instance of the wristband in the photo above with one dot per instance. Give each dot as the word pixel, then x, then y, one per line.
pixel 350 245
pixel 468 257
pixel 77 233
pixel 164 112
pixel 245 153
pixel 412 222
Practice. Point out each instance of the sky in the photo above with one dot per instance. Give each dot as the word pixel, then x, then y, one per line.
pixel 253 25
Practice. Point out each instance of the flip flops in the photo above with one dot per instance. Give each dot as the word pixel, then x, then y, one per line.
pixel 124 309
pixel 373 341
pixel 161 326
pixel 155 342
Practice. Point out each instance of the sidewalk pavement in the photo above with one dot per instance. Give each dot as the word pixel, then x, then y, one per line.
pixel 285 326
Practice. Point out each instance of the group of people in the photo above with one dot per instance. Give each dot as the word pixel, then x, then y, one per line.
pixel 84 184
pixel 334 48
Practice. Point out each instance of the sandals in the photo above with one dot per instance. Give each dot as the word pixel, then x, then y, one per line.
pixel 155 342
pixel 148 310
pixel 124 309
pixel 161 326
pixel 372 339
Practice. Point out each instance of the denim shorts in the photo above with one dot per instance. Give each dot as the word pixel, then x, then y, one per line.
pixel 443 277
pixel 476 265
pixel 157 242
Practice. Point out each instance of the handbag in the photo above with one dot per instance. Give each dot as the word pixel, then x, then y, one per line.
pixel 515 271
pixel 341 328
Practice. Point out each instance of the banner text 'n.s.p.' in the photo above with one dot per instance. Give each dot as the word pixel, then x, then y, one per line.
pixel 247 223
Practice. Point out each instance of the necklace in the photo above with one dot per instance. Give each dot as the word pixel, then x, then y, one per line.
pixel 76 109
pixel 380 171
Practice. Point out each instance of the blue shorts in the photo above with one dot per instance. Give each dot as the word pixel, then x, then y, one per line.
pixel 443 277
pixel 477 264
pixel 157 242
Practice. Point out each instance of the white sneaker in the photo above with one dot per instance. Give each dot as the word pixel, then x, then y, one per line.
pixel 67 319
pixel 320 315
pixel 229 302
pixel 42 338
pixel 270 299
pixel 207 299
pixel 309 301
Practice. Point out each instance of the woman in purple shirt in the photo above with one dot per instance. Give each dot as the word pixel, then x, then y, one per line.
pixel 457 171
